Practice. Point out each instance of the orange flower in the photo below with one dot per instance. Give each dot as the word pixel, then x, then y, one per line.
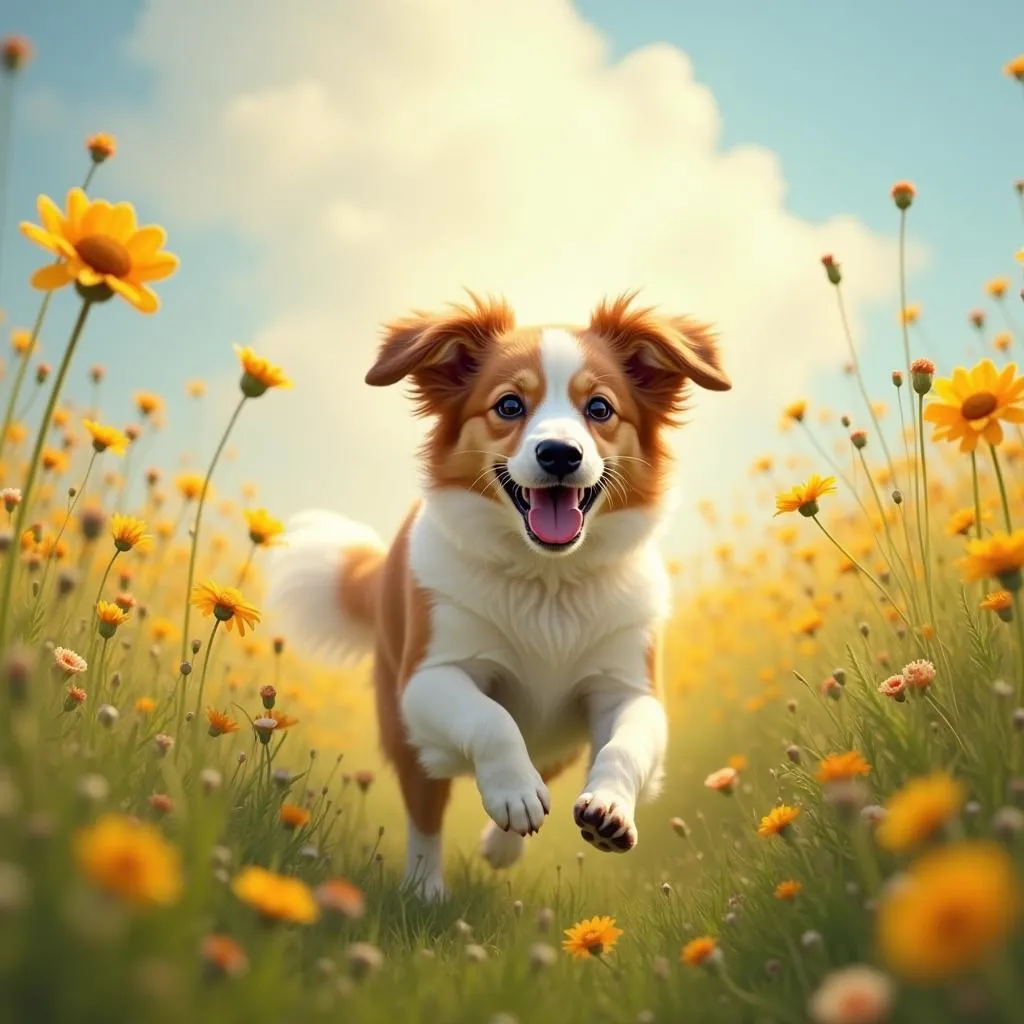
pixel 224 955
pixel 282 720
pixel 220 722
pixel 903 193
pixel 777 821
pixel 342 897
pixel 842 767
pixel 700 952
pixel 788 890
pixel 293 816
pixel 15 53
pixel 101 146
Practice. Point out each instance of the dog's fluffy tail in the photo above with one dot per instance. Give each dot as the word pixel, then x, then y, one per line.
pixel 323 583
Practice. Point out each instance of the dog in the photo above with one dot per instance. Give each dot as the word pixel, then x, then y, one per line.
pixel 516 615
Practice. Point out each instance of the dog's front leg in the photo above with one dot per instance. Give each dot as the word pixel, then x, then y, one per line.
pixel 629 733
pixel 456 727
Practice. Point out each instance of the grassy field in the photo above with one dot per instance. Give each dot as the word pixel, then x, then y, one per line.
pixel 195 824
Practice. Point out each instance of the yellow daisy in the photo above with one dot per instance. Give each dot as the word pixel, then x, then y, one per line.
pixel 969 406
pixel 101 248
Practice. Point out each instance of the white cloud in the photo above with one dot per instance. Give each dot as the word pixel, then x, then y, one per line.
pixel 384 156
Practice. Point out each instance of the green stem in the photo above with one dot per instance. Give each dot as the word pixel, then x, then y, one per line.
pixel 206 665
pixel 195 531
pixel 63 526
pixel 977 495
pixel 864 572
pixel 245 568
pixel 33 467
pixel 860 380
pixel 1002 489
pixel 924 526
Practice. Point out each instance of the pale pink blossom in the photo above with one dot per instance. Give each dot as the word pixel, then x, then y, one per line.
pixel 723 781
pixel 853 995
pixel 919 674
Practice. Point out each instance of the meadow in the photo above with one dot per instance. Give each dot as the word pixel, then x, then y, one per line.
pixel 195 823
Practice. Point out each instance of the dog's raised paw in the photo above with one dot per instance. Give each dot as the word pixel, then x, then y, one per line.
pixel 605 822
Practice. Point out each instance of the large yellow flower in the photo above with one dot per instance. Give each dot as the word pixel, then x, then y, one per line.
pixel 131 860
pixel 100 244
pixel 1000 556
pixel 969 405
pixel 954 908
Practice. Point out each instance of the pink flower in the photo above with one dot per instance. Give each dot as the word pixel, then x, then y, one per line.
pixel 853 995
pixel 919 674
pixel 895 687
pixel 68 662
pixel 722 781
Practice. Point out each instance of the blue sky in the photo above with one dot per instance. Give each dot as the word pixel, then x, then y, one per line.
pixel 851 97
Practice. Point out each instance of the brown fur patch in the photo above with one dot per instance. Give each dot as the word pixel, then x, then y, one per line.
pixel 403 635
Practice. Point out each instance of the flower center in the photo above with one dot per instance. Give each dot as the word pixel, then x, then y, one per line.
pixel 979 405
pixel 105 255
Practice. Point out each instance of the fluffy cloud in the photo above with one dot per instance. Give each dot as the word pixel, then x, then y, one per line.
pixel 383 156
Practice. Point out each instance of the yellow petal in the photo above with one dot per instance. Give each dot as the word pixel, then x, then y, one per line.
pixel 48 278
pixel 156 268
pixel 36 234
pixel 138 295
pixel 145 242
pixel 121 224
pixel 78 203
pixel 96 218
pixel 51 216
pixel 88 277
pixel 993 433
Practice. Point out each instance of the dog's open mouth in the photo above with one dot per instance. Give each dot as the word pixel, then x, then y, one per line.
pixel 554 516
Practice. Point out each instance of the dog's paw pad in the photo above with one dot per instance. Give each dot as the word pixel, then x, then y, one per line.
pixel 605 824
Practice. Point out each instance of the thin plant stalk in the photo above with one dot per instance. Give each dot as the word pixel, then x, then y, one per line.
pixel 33 467
pixel 199 516
pixel 1002 489
pixel 977 495
pixel 864 572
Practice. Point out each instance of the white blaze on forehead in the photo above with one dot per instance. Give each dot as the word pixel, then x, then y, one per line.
pixel 561 359
pixel 556 417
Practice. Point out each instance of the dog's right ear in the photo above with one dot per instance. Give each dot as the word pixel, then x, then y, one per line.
pixel 440 352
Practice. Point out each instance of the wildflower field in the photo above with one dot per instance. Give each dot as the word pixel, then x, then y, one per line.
pixel 195 824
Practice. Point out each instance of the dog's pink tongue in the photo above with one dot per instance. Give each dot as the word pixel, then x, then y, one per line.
pixel 555 515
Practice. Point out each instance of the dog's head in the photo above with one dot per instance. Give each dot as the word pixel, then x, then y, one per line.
pixel 558 428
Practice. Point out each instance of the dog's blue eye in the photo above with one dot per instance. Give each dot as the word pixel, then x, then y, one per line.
pixel 509 407
pixel 599 409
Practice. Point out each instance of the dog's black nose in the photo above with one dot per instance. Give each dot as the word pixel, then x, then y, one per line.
pixel 559 458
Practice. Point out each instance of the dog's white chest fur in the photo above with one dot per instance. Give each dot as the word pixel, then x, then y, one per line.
pixel 532 634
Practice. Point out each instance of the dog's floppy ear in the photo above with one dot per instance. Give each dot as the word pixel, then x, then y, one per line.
pixel 440 352
pixel 660 354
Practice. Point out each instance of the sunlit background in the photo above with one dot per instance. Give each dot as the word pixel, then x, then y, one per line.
pixel 325 166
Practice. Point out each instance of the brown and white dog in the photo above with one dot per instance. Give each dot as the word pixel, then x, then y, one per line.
pixel 516 614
